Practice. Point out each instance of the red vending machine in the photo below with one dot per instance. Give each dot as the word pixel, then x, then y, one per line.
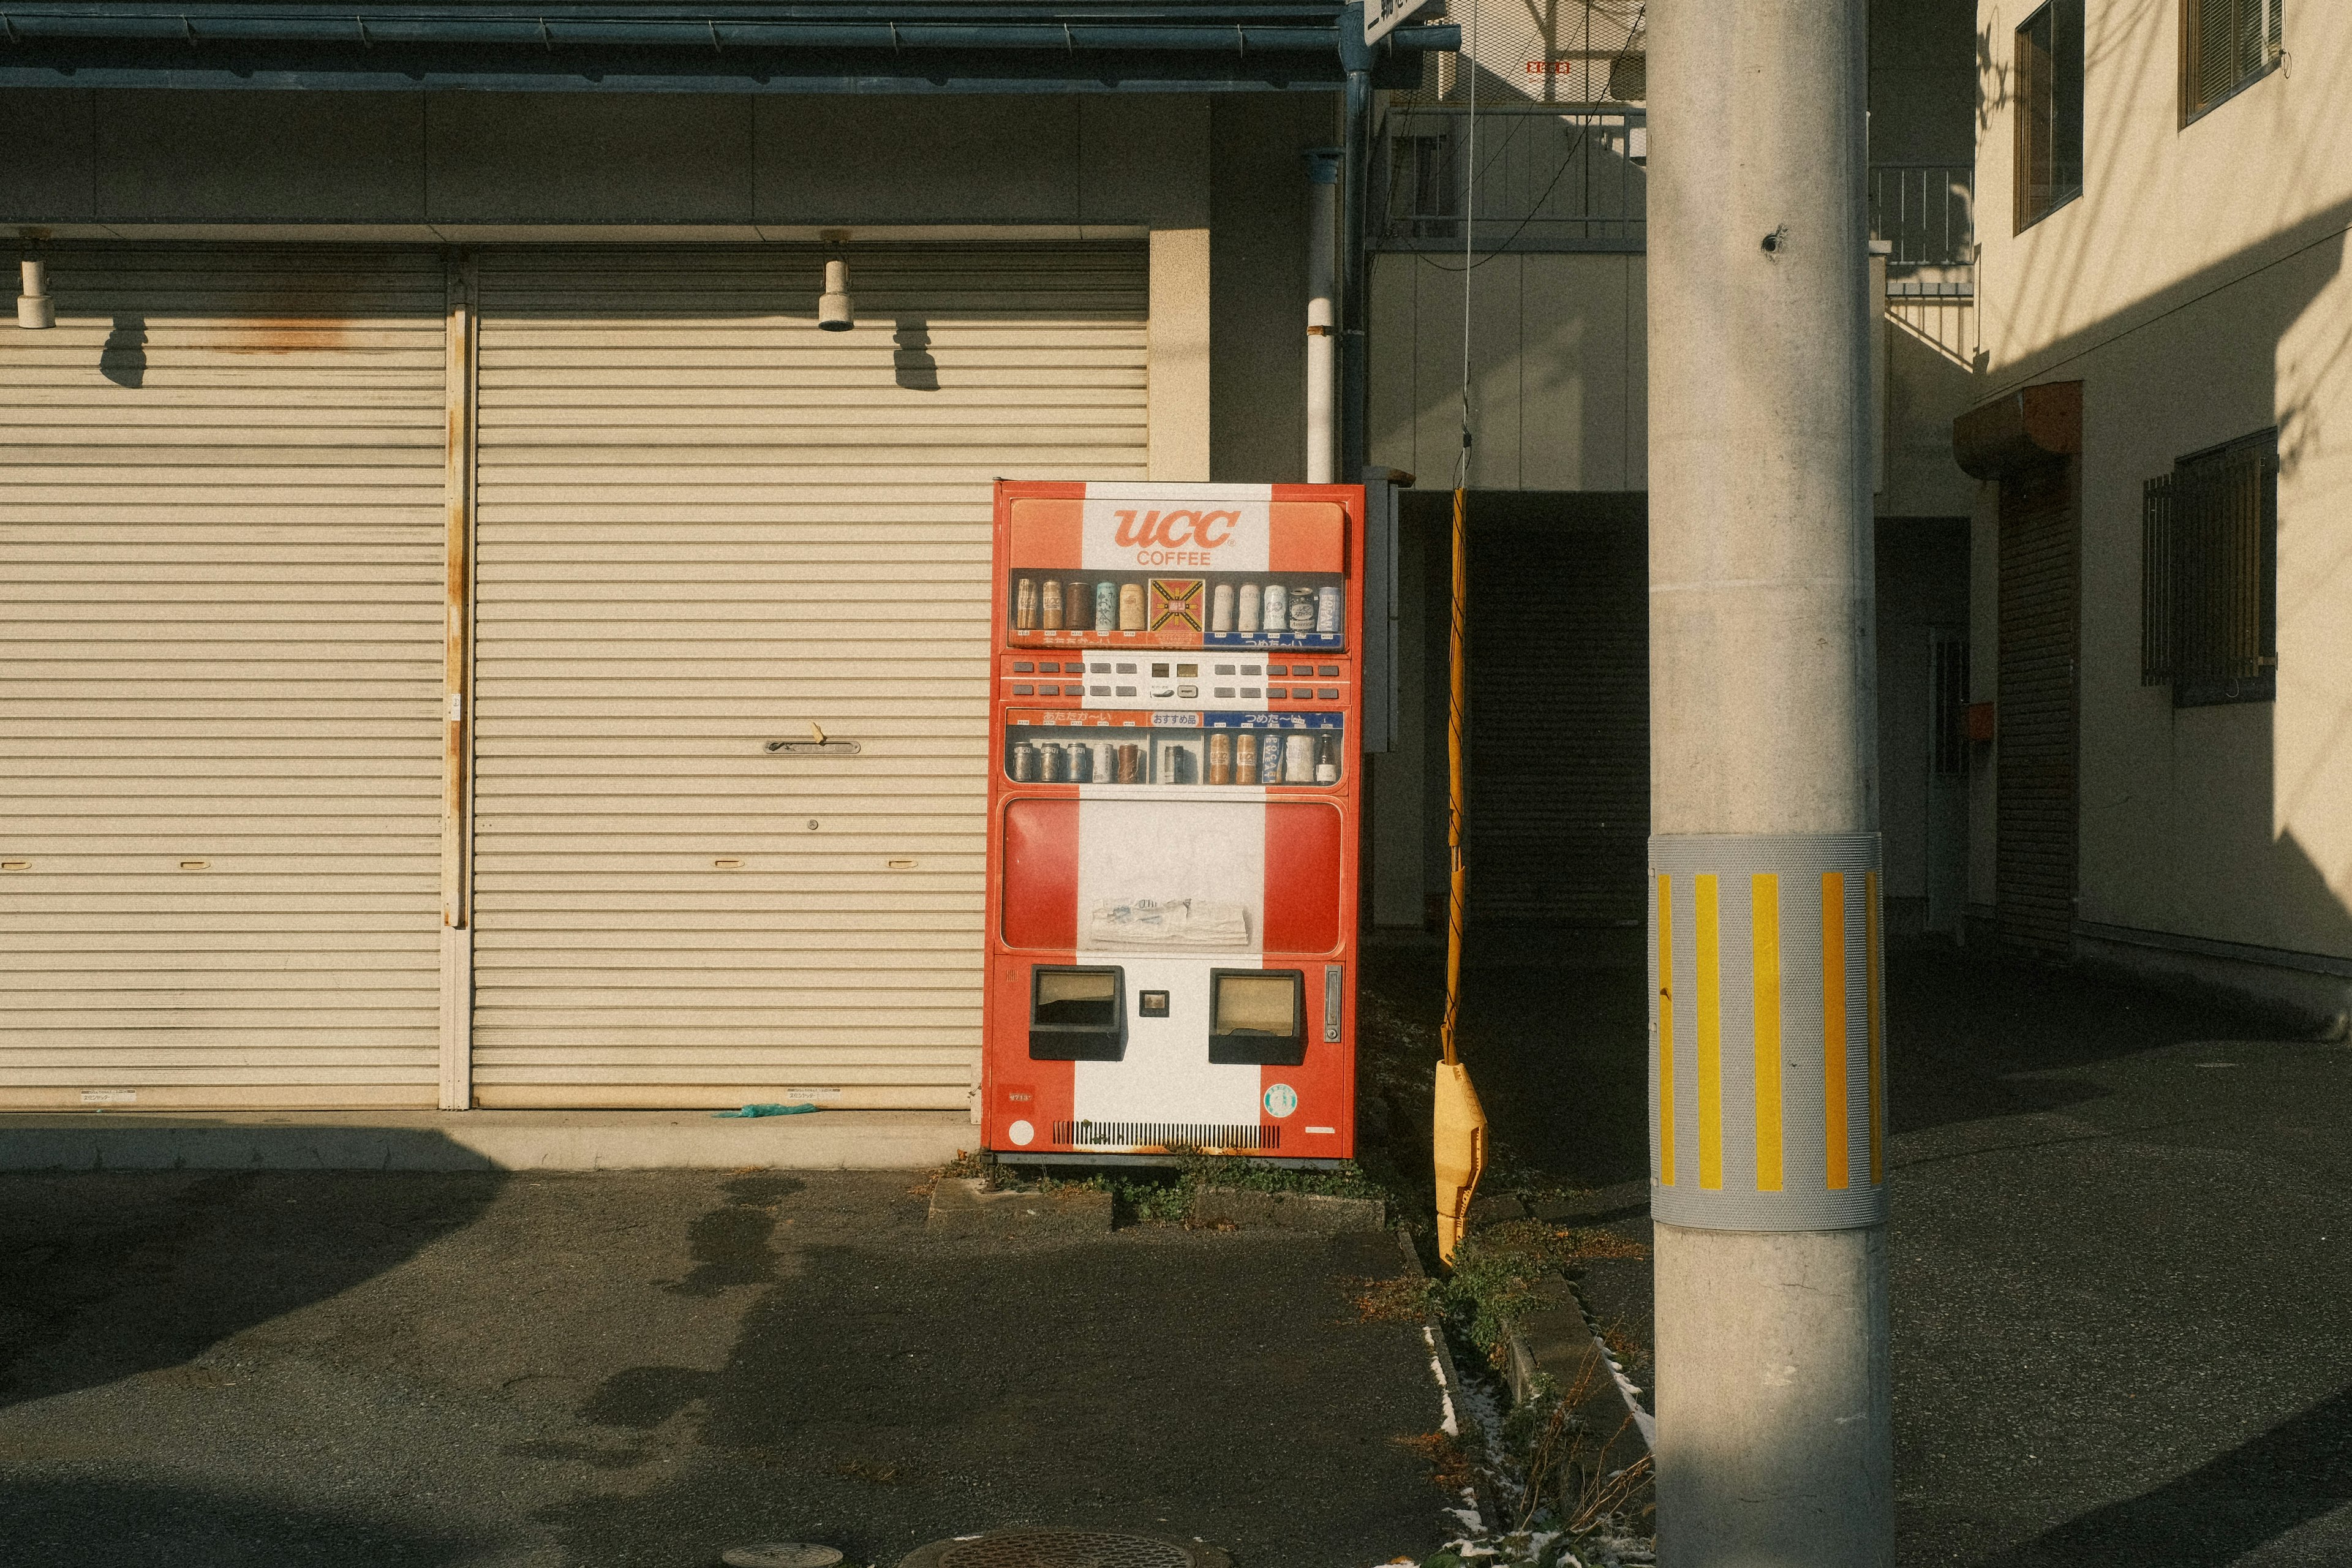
pixel 1171 859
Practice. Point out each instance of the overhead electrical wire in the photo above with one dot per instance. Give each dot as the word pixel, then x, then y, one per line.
pixel 1575 146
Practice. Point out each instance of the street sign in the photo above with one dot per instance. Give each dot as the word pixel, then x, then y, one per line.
pixel 1381 17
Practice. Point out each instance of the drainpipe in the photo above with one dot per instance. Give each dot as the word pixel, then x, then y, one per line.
pixel 1356 57
pixel 1322 201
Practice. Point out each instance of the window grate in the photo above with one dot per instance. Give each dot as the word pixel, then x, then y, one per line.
pixel 2209 575
pixel 1950 654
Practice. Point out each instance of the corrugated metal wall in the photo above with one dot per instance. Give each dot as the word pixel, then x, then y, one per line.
pixel 2037 805
pixel 221 494
pixel 1559 721
pixel 704 525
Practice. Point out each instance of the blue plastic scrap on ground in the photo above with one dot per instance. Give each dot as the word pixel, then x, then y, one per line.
pixel 767 1110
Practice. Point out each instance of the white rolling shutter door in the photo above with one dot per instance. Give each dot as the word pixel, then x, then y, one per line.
pixel 221 493
pixel 704 525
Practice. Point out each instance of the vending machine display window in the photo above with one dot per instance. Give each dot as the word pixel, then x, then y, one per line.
pixel 1078 1014
pixel 1210 610
pixel 1251 749
pixel 1257 1017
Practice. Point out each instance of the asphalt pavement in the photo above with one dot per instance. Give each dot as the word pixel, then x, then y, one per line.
pixel 644 1368
pixel 2121 1240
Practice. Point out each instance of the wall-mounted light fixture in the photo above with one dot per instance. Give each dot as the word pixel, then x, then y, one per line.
pixel 836 312
pixel 33 306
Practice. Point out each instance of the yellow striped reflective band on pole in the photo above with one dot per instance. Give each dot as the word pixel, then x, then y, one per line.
pixel 1764 923
pixel 1662 1062
pixel 1768 1017
pixel 1709 1023
pixel 1833 1025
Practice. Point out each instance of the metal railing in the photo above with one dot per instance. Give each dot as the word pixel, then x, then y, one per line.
pixel 1928 213
pixel 1547 179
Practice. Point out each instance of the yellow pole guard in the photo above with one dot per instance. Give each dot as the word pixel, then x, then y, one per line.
pixel 1458 1129
pixel 1458 1142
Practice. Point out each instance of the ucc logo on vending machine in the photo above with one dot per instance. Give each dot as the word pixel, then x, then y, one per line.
pixel 1177 538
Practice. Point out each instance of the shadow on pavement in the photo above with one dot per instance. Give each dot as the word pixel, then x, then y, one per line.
pixel 107 1274
pixel 1559 1049
pixel 1170 1383
pixel 2217 1513
pixel 61 1520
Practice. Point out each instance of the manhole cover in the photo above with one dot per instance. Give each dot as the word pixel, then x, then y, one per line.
pixel 1065 1548
pixel 781 1554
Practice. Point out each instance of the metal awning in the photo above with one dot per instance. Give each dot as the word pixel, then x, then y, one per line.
pixel 827 45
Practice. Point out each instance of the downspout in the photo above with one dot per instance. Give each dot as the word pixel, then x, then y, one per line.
pixel 1356 59
pixel 1323 168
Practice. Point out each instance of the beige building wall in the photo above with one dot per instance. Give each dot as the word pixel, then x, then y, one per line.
pixel 1559 394
pixel 1229 312
pixel 2198 288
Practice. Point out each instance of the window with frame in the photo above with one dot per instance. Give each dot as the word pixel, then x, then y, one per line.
pixel 2049 111
pixel 2227 45
pixel 1424 202
pixel 2209 575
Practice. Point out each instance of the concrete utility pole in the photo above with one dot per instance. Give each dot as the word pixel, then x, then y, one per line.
pixel 1767 1084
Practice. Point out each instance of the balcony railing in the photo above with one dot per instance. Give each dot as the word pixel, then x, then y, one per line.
pixel 1928 213
pixel 1547 179
pixel 1579 180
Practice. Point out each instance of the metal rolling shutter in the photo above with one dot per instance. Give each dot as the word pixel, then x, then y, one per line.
pixel 221 498
pixel 1559 725
pixel 2035 802
pixel 704 524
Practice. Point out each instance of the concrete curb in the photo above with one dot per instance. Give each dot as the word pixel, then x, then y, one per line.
pixel 1449 1376
pixel 961 1205
pixel 1316 1212
pixel 1558 1340
pixel 483 1140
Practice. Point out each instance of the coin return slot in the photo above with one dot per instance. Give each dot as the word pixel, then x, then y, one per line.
pixel 728 864
pixel 194 865
pixel 1257 1017
pixel 1077 1015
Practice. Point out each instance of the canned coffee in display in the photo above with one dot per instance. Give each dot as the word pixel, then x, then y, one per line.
pixel 1220 608
pixel 1302 611
pixel 1130 764
pixel 1220 758
pixel 1298 758
pixel 1327 760
pixel 1106 763
pixel 1078 607
pixel 1024 604
pixel 1049 609
pixel 1245 757
pixel 1082 763
pixel 1054 764
pixel 1249 607
pixel 1025 763
pixel 1178 765
pixel 1106 607
pixel 1327 608
pixel 1277 613
pixel 1130 607
pixel 1269 760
